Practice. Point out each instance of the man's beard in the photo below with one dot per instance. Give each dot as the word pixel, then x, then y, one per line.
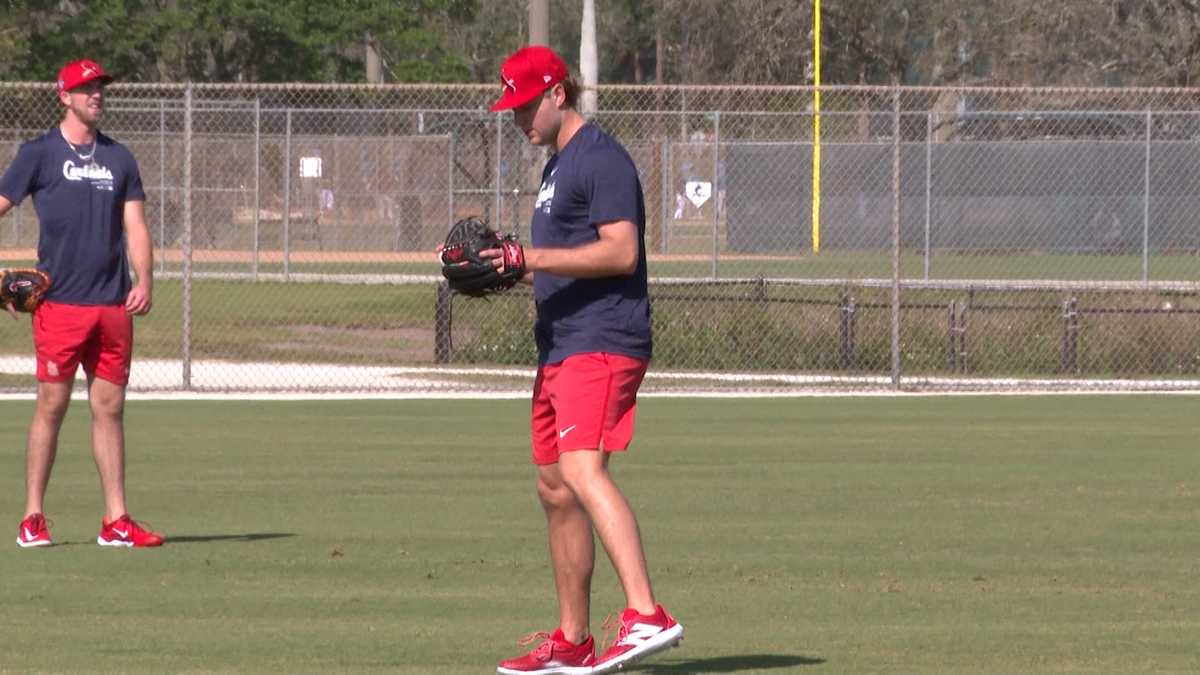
pixel 87 115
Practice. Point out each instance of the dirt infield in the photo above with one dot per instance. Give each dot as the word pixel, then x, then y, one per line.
pixel 233 256
pixel 18 254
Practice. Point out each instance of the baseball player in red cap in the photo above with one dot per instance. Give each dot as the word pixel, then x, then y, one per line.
pixel 90 204
pixel 587 264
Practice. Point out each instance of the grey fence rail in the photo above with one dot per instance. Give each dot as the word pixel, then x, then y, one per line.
pixel 895 237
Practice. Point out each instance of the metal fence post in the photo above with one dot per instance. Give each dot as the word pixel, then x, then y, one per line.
pixel 16 232
pixel 667 194
pixel 499 155
pixel 257 177
pixel 896 238
pixel 516 212
pixel 287 194
pixel 1146 204
pixel 958 336
pixel 952 339
pixel 450 181
pixel 928 185
pixel 17 135
pixel 714 197
pixel 683 121
pixel 162 184
pixel 1070 347
pixel 849 325
pixel 963 314
pixel 442 345
pixel 187 238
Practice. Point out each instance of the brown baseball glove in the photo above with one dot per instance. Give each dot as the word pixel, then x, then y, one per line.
pixel 23 288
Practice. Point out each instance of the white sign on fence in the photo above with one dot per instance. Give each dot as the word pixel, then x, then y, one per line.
pixel 698 192
pixel 310 167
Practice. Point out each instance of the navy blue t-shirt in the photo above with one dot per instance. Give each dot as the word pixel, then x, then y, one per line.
pixel 590 182
pixel 81 207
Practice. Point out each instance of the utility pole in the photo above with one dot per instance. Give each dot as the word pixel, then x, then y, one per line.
pixel 539 34
pixel 539 22
pixel 660 51
pixel 374 64
pixel 589 65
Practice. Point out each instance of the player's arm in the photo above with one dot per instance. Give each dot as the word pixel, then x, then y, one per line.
pixel 5 205
pixel 141 257
pixel 613 254
pixel 21 178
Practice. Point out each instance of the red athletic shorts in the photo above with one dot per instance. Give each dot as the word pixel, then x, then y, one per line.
pixel 587 402
pixel 98 336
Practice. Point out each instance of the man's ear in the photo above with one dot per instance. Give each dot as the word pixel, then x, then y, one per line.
pixel 559 92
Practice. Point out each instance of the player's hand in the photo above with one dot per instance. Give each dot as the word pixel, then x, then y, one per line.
pixel 138 300
pixel 497 256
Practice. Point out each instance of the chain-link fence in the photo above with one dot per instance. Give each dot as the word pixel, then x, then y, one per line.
pixel 895 237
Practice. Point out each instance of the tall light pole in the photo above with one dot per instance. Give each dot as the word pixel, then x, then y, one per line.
pixel 539 22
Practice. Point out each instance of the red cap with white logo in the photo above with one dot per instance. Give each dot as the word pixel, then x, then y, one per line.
pixel 528 73
pixel 80 72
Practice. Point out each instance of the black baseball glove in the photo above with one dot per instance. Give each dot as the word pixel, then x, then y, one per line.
pixel 23 288
pixel 470 274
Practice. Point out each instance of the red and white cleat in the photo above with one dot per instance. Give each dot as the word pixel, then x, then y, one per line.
pixel 126 531
pixel 34 532
pixel 639 636
pixel 554 655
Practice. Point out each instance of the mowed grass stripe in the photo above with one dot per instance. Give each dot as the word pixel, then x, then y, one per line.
pixel 924 535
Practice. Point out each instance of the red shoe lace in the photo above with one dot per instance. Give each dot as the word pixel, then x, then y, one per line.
pixel 39 523
pixel 610 622
pixel 543 650
pixel 533 637
pixel 134 525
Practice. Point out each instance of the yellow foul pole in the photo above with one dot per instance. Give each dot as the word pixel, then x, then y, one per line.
pixel 816 149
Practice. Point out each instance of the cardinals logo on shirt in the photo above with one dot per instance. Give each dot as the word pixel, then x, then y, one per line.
pixel 100 177
pixel 545 198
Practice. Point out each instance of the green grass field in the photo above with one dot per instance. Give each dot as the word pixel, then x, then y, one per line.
pixel 844 535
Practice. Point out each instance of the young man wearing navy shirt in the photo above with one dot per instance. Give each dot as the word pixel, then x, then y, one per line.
pixel 587 263
pixel 88 196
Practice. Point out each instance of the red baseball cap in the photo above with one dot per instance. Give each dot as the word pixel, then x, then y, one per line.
pixel 80 72
pixel 528 73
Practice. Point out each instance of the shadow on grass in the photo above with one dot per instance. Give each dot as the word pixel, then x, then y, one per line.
pixel 203 538
pixel 196 539
pixel 727 664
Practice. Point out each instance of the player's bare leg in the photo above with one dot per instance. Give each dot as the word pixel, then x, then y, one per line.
pixel 572 551
pixel 586 474
pixel 53 399
pixel 107 401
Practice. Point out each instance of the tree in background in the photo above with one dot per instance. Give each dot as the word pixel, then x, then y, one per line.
pixel 233 40
pixel 937 42
pixel 1106 42
pixel 496 29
